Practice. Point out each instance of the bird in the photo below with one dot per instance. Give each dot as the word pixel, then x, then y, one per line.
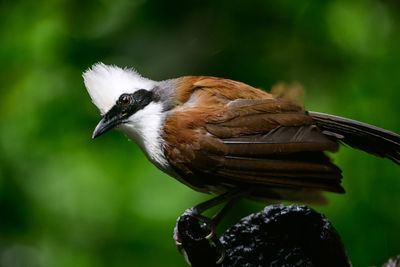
pixel 222 136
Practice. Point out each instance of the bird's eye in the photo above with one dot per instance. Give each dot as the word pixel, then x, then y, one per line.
pixel 125 100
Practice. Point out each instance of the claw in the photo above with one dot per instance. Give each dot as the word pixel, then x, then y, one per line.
pixel 220 249
pixel 210 235
pixel 185 255
pixel 210 227
pixel 209 224
pixel 221 258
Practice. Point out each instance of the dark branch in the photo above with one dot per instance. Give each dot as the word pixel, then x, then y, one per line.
pixel 278 236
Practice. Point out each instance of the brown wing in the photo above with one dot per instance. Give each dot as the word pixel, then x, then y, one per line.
pixel 225 138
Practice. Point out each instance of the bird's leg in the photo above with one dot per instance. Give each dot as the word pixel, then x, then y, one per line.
pixel 216 219
pixel 210 223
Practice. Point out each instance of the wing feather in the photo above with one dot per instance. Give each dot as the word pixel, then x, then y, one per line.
pixel 281 140
pixel 267 144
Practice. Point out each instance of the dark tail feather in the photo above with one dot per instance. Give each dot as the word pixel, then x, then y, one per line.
pixel 371 139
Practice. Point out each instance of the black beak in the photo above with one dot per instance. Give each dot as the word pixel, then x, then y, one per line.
pixel 104 126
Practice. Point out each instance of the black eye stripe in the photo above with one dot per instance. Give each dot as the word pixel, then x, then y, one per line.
pixel 138 100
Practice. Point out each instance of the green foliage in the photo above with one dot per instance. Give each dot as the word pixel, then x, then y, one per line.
pixel 67 200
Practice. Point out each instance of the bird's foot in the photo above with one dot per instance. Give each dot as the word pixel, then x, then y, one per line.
pixel 194 230
pixel 194 234
pixel 207 224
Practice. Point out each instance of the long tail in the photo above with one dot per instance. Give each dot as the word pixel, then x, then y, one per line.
pixel 368 138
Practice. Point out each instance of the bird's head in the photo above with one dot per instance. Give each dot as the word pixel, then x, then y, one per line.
pixel 125 99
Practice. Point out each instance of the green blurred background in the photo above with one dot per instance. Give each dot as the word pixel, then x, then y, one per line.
pixel 68 200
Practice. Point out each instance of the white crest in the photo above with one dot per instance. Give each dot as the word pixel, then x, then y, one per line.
pixel 105 84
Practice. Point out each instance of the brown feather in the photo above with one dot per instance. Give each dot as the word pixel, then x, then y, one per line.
pixel 281 140
pixel 256 124
pixel 223 134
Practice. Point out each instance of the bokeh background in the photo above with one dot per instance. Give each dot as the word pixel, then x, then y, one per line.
pixel 67 200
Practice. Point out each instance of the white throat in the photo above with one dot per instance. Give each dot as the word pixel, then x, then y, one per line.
pixel 145 129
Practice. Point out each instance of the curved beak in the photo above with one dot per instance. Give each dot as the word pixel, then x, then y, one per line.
pixel 105 125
